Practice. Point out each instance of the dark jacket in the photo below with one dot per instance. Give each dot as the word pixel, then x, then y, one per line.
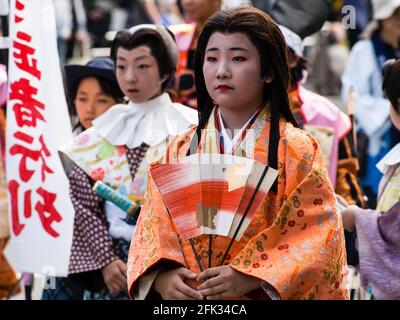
pixel 303 17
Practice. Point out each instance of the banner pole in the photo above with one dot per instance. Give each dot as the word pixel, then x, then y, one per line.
pixel 5 33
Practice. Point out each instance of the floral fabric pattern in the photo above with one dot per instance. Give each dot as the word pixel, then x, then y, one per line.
pixel 92 245
pixel 295 241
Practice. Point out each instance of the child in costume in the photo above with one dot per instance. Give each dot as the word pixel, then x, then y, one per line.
pixel 378 230
pixel 117 151
pixel 91 90
pixel 294 246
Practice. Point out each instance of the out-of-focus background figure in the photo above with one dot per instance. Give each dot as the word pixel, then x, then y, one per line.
pixel 227 4
pixel 378 230
pixel 363 10
pixel 377 135
pixel 71 26
pixel 302 17
pixel 196 12
pixel 165 12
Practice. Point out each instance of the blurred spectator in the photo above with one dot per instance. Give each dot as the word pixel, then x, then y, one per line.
pixel 71 25
pixel 99 19
pixel 136 12
pixel 331 127
pixel 324 120
pixel 377 135
pixel 163 11
pixel 330 59
pixel 303 17
pixel 63 11
pixel 235 3
pixel 336 9
pixel 363 9
pixel 378 230
pixel 80 36
pixel 197 12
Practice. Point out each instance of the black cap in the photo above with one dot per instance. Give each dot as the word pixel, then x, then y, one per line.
pixel 99 67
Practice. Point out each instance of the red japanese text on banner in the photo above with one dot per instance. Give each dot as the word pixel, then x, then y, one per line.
pixel 40 210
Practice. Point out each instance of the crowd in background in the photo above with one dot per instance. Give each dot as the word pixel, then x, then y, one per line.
pixel 86 28
pixel 341 62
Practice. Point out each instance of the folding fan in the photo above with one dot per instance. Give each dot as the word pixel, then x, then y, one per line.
pixel 213 193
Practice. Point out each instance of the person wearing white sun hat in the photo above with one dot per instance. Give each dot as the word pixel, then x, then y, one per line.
pixel 383 9
pixel 363 75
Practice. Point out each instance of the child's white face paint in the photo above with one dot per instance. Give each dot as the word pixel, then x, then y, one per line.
pixel 138 74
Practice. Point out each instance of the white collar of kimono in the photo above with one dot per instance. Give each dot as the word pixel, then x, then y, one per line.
pixel 228 142
pixel 390 159
pixel 149 122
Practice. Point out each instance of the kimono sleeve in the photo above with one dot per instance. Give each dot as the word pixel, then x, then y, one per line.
pixel 92 245
pixel 155 240
pixel 302 254
pixel 378 239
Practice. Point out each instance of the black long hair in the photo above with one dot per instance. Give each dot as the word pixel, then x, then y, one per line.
pixel 266 36
pixel 297 73
pixel 391 82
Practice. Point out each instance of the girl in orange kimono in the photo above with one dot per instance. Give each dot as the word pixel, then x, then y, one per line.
pixel 294 246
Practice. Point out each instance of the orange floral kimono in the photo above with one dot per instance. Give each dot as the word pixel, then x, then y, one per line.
pixel 294 244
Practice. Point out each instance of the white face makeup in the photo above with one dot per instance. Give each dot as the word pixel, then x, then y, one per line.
pixel 232 71
pixel 91 101
pixel 138 74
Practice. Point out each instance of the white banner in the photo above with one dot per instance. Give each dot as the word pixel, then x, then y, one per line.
pixel 40 211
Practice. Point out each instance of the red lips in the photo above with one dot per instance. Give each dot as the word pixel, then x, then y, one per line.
pixel 224 87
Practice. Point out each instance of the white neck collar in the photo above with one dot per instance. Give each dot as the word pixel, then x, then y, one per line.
pixel 390 159
pixel 228 142
pixel 149 122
